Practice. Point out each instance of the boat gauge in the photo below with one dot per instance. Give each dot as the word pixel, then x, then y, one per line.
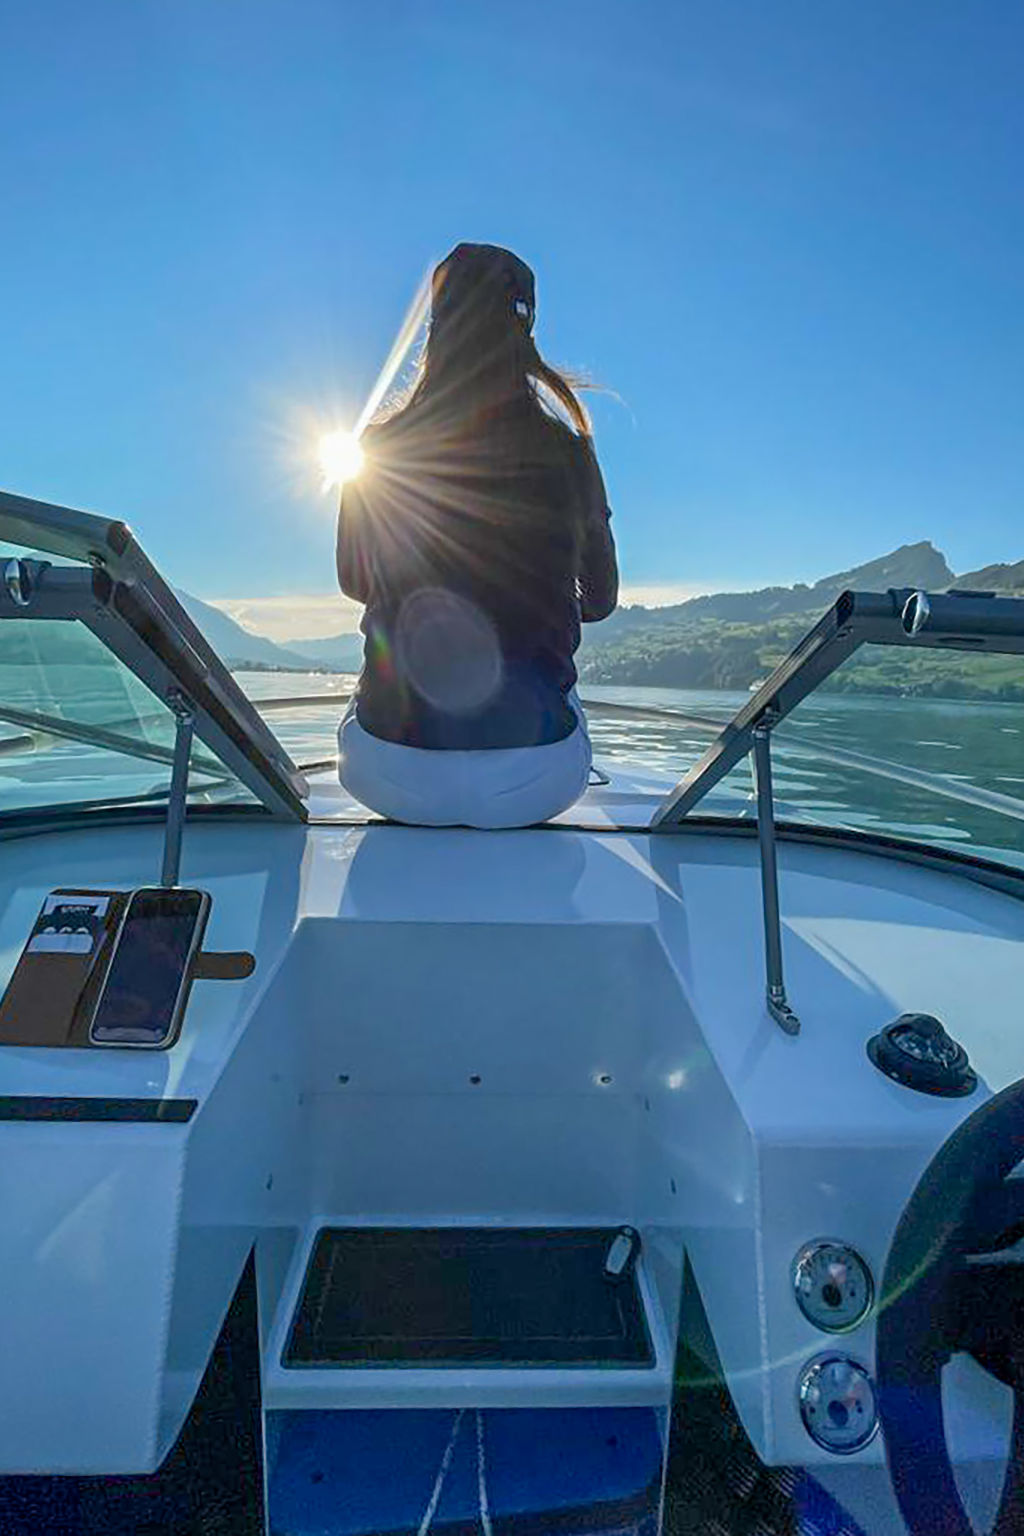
pixel 832 1285
pixel 837 1403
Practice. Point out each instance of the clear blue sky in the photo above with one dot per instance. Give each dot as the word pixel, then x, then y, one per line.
pixel 789 235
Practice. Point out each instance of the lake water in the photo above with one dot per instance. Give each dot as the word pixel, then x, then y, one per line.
pixel 969 749
pixel 970 745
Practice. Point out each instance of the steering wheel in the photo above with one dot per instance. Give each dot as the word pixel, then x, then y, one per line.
pixel 952 1283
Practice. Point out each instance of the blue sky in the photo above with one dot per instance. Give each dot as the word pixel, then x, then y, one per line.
pixel 787 235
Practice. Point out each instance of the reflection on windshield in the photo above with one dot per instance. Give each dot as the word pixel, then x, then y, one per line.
pixel 938 770
pixel 76 726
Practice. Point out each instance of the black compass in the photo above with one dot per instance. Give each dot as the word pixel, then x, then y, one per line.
pixel 915 1050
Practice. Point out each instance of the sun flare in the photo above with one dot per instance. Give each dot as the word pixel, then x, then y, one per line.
pixel 341 458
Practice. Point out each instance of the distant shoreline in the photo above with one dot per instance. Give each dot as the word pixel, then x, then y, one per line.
pixel 962 690
pixel 314 669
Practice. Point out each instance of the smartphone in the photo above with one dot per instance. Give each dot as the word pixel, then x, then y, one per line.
pixel 147 982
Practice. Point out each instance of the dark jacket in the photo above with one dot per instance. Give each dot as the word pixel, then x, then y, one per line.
pixel 477 556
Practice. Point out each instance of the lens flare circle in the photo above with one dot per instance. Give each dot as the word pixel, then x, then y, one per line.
pixel 448 649
pixel 341 458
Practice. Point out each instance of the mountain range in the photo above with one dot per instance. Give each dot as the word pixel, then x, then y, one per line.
pixel 734 639
pixel 911 565
pixel 720 640
pixel 243 650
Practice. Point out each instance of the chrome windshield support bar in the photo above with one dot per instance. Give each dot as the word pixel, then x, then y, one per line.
pixel 114 592
pixel 778 1005
pixel 946 621
pixel 184 723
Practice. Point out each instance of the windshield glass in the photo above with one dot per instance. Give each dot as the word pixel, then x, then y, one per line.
pixel 900 714
pixel 77 727
pixel 922 745
pixel 97 654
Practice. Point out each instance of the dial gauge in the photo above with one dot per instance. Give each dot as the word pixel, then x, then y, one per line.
pixel 832 1285
pixel 837 1403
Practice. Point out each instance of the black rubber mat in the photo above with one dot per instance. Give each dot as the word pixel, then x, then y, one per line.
pixel 211 1482
pixel 716 1483
pixel 466 1296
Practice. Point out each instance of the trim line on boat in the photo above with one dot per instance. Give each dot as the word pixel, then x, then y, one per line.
pixel 38 1108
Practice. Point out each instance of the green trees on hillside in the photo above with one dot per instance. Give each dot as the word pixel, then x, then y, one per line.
pixel 710 654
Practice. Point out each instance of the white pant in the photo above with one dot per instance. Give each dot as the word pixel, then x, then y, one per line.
pixel 500 787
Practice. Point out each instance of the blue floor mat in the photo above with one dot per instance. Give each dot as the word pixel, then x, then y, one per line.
pixel 366 1473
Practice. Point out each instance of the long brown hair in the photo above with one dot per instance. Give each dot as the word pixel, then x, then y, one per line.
pixel 480 353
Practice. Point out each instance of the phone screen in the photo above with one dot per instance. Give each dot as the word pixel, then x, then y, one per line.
pixel 139 1001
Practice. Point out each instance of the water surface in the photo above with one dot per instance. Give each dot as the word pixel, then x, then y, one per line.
pixel 972 743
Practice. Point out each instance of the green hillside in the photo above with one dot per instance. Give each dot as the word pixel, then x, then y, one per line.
pixel 735 656
pixel 733 640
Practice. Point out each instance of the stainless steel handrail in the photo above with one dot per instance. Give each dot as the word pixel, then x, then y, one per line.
pixel 304 701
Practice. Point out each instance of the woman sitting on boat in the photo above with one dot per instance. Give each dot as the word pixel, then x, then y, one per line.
pixel 478 538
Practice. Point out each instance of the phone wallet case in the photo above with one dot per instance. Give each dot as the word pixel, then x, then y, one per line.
pixel 51 995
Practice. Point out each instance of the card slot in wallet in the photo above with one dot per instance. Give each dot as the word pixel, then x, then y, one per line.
pixel 52 992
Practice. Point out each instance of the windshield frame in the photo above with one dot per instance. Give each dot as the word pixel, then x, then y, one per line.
pixel 116 593
pixel 958 620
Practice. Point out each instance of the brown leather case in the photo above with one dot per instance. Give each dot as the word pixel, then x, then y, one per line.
pixel 223 965
pixel 50 997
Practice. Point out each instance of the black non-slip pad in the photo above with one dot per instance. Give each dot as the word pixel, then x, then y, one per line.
pixel 466 1296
